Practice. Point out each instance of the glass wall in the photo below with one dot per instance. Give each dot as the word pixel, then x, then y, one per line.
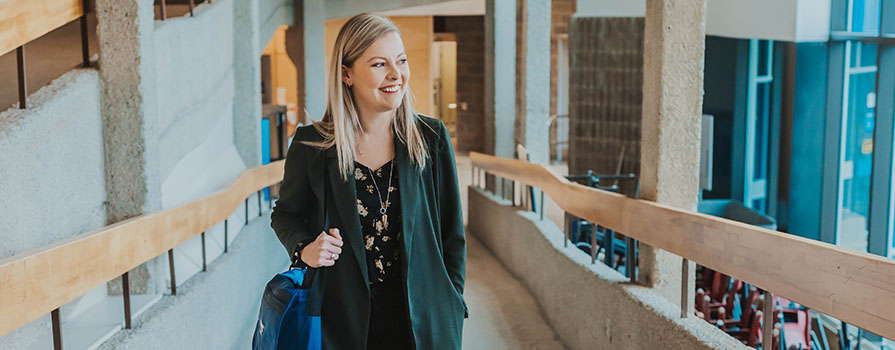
pixel 856 148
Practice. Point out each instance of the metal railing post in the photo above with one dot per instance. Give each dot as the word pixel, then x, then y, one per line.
pixel 247 212
pixel 164 10
pixel 593 245
pixel 259 203
pixel 767 322
pixel 630 259
pixel 191 8
pixel 543 207
pixel 568 230
pixel 171 266
pixel 609 247
pixel 204 268
pixel 85 47
pixel 226 241
pixel 126 294
pixel 57 329
pixel 20 65
pixel 685 288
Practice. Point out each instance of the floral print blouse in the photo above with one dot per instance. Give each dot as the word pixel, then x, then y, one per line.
pixel 382 232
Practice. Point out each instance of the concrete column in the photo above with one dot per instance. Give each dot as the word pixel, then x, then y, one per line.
pixel 247 77
pixel 127 68
pixel 535 52
pixel 306 48
pixel 674 48
pixel 500 82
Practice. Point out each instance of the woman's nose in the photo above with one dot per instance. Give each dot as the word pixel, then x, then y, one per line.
pixel 393 73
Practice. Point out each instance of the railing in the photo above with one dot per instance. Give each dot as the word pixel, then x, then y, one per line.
pixel 38 282
pixel 163 7
pixel 22 21
pixel 855 287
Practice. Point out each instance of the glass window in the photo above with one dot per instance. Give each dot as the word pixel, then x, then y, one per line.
pixel 761 62
pixel 856 157
pixel 864 16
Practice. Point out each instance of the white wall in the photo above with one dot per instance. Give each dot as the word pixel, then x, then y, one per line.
pixel 787 20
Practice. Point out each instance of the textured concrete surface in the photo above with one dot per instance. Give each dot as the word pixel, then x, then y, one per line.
pixel 502 313
pixel 500 75
pixel 247 73
pixel 215 309
pixel 536 86
pixel 51 166
pixel 125 29
pixel 306 48
pixel 673 60
pixel 589 306
pixel 195 80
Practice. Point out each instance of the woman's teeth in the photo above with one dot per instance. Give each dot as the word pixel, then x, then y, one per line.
pixel 391 89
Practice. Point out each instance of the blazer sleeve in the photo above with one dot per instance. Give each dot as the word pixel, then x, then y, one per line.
pixel 453 233
pixel 289 218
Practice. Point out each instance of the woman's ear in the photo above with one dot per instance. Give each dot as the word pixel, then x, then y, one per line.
pixel 345 76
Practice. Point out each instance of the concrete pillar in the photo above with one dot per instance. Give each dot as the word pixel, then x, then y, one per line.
pixel 500 82
pixel 535 79
pixel 133 186
pixel 306 48
pixel 674 48
pixel 247 77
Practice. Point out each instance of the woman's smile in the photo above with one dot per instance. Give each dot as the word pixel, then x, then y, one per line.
pixel 391 89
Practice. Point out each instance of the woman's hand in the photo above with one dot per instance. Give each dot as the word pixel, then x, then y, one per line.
pixel 324 251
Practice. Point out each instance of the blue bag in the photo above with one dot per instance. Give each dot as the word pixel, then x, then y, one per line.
pixel 290 307
pixel 283 322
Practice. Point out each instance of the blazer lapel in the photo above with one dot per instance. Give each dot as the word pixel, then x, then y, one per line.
pixel 409 191
pixel 345 197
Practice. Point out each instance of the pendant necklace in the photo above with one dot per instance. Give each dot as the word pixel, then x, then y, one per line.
pixel 384 205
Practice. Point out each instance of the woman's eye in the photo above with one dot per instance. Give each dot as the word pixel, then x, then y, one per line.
pixel 379 64
pixel 402 61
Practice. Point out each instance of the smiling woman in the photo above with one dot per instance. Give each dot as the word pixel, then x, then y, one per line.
pixel 394 255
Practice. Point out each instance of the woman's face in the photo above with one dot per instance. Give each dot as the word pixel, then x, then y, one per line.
pixel 380 76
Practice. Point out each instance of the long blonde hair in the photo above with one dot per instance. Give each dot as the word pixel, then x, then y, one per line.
pixel 340 123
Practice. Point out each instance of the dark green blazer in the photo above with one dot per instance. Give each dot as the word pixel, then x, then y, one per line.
pixel 434 239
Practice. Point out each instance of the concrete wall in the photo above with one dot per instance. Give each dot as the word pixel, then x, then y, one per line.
pixel 200 104
pixel 589 306
pixel 52 171
pixel 198 60
pixel 51 163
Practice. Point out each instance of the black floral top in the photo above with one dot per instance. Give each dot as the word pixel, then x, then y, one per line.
pixel 382 232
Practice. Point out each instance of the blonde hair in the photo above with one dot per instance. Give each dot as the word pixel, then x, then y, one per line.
pixel 340 123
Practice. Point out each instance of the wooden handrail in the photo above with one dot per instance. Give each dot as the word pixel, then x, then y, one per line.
pixel 855 287
pixel 22 21
pixel 36 282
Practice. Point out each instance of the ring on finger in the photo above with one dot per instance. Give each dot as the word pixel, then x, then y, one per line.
pixel 332 256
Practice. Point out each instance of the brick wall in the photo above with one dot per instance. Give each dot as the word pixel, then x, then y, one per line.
pixel 605 88
pixel 470 34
